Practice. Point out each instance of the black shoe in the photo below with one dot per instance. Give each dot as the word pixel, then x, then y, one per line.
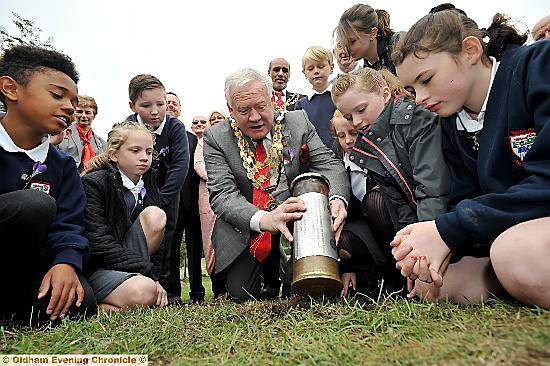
pixel 221 297
pixel 197 299
pixel 175 301
pixel 286 292
pixel 269 293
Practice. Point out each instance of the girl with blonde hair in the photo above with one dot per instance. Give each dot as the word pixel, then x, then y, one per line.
pixel 399 149
pixel 124 224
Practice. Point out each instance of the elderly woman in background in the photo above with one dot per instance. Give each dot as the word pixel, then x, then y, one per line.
pixel 82 143
pixel 216 117
pixel 207 216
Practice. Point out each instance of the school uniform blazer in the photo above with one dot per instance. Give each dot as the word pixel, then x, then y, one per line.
pixel 73 145
pixel 231 190
pixel 189 194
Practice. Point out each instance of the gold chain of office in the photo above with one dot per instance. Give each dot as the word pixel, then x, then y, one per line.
pixel 292 100
pixel 274 157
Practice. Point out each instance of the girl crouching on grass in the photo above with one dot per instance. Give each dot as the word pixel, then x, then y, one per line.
pixel 494 95
pixel 124 224
pixel 399 149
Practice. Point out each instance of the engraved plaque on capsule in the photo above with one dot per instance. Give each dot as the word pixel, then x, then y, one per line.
pixel 315 265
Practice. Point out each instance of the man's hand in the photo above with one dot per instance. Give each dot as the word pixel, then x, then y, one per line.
pixel 276 220
pixel 65 285
pixel 338 214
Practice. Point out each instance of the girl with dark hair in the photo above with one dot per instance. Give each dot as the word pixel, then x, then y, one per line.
pixel 494 95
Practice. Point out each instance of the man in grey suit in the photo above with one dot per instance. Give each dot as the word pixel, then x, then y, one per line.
pixel 243 189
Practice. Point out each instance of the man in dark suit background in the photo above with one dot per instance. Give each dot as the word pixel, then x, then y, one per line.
pixel 279 71
pixel 188 221
pixel 251 160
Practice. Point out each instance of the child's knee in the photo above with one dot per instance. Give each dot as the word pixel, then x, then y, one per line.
pixel 238 292
pixel 32 207
pixel 154 218
pixel 143 291
pixel 351 246
pixel 343 253
pixel 242 295
pixel 518 257
pixel 509 254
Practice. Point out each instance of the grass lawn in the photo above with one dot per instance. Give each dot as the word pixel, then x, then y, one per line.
pixel 307 332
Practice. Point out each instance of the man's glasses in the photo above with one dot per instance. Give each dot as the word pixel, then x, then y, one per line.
pixel 217 117
pixel 201 121
pixel 278 68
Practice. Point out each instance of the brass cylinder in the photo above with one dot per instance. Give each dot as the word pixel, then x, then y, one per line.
pixel 315 261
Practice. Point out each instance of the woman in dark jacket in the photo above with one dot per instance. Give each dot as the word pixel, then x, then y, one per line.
pixel 124 224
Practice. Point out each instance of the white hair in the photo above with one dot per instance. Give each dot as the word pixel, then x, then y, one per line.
pixel 244 76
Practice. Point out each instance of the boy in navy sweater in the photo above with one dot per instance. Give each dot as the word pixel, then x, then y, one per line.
pixel 317 65
pixel 41 196
pixel 148 102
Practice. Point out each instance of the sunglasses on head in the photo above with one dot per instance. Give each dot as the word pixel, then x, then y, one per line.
pixel 278 68
pixel 201 121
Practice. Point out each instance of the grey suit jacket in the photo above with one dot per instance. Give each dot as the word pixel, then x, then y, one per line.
pixel 231 190
pixel 73 145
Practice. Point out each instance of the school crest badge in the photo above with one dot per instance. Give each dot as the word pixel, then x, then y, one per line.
pixel 41 186
pixel 521 141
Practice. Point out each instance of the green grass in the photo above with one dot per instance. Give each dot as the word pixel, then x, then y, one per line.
pixel 306 332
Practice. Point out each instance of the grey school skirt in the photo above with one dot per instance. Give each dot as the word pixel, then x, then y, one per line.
pixel 104 281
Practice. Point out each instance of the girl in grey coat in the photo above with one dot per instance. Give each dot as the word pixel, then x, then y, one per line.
pixel 399 147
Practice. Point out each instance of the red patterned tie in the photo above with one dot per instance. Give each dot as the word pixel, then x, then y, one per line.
pixel 278 98
pixel 261 244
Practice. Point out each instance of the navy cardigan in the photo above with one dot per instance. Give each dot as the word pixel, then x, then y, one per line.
pixel 508 180
pixel 320 109
pixel 64 242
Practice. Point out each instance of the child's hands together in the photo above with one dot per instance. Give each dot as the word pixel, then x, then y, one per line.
pixel 421 253
pixel 65 286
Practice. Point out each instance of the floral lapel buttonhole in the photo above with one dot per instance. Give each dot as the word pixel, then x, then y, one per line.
pixel 164 151
pixel 37 168
pixel 304 154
